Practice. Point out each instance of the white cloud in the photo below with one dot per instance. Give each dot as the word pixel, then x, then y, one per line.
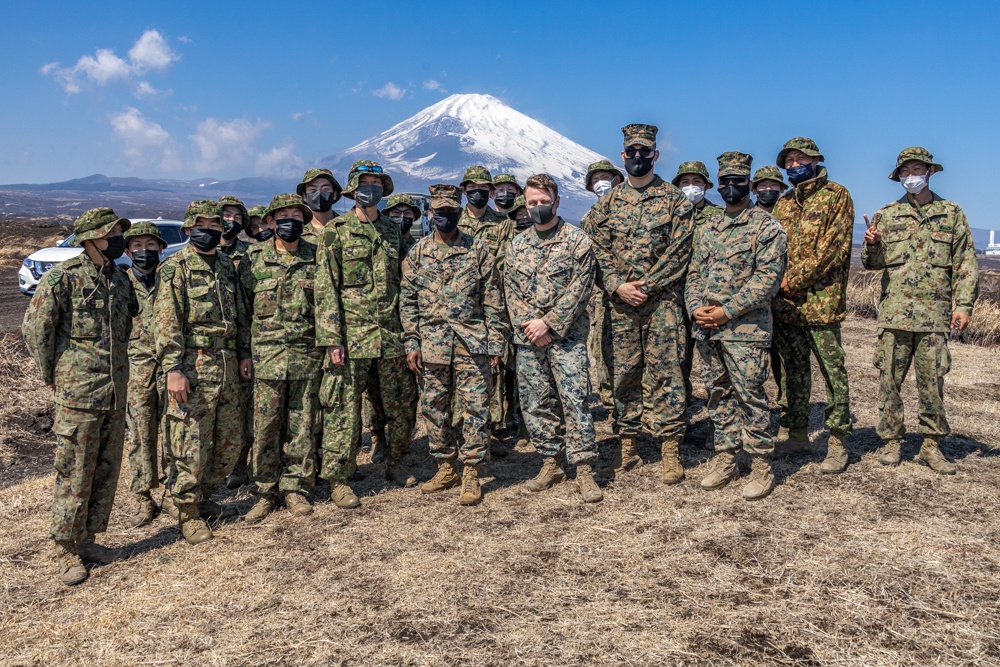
pixel 145 143
pixel 390 91
pixel 432 84
pixel 150 52
pixel 299 115
pixel 280 161
pixel 103 67
pixel 225 145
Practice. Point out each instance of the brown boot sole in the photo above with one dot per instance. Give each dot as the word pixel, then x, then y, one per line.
pixel 471 501
pixel 924 462
pixel 725 482
pixel 673 479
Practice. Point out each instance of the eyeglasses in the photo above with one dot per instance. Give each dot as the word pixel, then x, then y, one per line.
pixel 367 169
pixel 733 180
pixel 644 152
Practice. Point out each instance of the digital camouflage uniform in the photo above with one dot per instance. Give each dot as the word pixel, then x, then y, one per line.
pixel 818 217
pixel 196 316
pixel 76 329
pixel 313 231
pixel 929 271
pixel 552 279
pixel 772 173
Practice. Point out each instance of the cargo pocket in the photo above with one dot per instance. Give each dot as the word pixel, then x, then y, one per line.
pixel 943 355
pixel 356 269
pixel 939 251
pixel 88 318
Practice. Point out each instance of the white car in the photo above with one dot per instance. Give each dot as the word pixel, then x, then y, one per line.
pixel 40 261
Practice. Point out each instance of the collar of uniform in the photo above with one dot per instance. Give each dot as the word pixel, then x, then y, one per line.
pixel 304 253
pixel 489 216
pixel 555 238
pixel 805 190
pixel 363 227
pixel 462 245
pixel 725 222
pixel 196 261
pixel 933 207
pixel 633 196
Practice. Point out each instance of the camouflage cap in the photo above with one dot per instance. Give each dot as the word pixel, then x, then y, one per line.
pixel 803 144
pixel 256 212
pixel 97 222
pixel 444 196
pixel 363 168
pixel 519 203
pixel 914 153
pixel 637 133
pixel 144 229
pixel 600 165
pixel 279 202
pixel 734 163
pixel 477 175
pixel 403 200
pixel 229 200
pixel 693 167
pixel 201 208
pixel 769 173
pixel 508 178
pixel 311 175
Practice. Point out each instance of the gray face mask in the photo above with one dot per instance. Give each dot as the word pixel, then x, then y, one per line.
pixel 541 215
pixel 369 194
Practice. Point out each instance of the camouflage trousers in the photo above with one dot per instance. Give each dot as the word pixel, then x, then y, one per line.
pixel 554 383
pixel 340 395
pixel 373 413
pixel 795 345
pixel 246 400
pixel 779 377
pixel 284 444
pixel 929 354
pixel 734 374
pixel 88 461
pixel 205 435
pixel 599 346
pixel 650 345
pixel 146 460
pixel 468 377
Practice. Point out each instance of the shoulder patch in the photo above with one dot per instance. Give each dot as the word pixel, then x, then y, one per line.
pixel 167 271
pixel 55 276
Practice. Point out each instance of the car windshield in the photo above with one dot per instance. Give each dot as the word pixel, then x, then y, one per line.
pixel 172 234
pixel 69 242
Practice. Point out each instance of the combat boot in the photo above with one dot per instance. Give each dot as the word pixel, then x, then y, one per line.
pixel 498 449
pixel 587 485
pixel 472 493
pixel 446 477
pixel 550 475
pixel 380 448
pixel 71 569
pixel 167 505
pixel 265 504
pixel 792 442
pixel 395 472
pixel 723 471
pixel 673 472
pixel 298 504
pixel 193 527
pixel 890 452
pixel 145 511
pixel 91 552
pixel 761 479
pixel 238 477
pixel 930 455
pixel 342 495
pixel 212 510
pixel 836 455
pixel 523 439
pixel 627 456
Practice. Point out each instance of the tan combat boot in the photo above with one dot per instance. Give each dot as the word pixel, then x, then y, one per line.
pixel 193 527
pixel 836 455
pixel 723 471
pixel 145 511
pixel 91 552
pixel 472 493
pixel 167 505
pixel 890 452
pixel 550 475
pixel 265 505
pixel 930 455
pixel 71 569
pixel 342 495
pixel 672 470
pixel 587 485
pixel 792 442
pixel 761 480
pixel 298 504
pixel 445 478
pixel 628 456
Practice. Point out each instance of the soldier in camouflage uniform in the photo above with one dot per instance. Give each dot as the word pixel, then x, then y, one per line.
pixel 277 349
pixel 77 329
pixel 768 187
pixel 146 384
pixel 357 320
pixel 818 217
pixel 506 190
pixel 735 271
pixel 454 330
pixel 547 287
pixel 403 211
pixel 642 233
pixel 320 191
pixel 519 214
pixel 923 246
pixel 196 314
pixel 255 230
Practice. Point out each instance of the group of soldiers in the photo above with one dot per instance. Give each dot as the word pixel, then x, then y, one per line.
pixel 233 358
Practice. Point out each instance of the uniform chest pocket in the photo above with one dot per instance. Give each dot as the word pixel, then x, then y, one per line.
pixel 739 258
pixel 897 244
pixel 201 303
pixel 88 318
pixel 939 249
pixel 357 265
pixel 466 280
pixel 265 298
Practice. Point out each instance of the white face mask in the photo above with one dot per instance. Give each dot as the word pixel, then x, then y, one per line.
pixel 602 188
pixel 914 184
pixel 694 193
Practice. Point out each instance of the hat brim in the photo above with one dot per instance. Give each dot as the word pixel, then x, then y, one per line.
pixel 894 174
pixel 780 161
pixel 387 186
pixel 464 183
pixel 677 179
pixel 102 231
pixel 590 175
pixel 306 211
pixel 338 191
pixel 416 209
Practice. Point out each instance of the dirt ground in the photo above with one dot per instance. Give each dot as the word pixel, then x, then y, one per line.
pixel 877 566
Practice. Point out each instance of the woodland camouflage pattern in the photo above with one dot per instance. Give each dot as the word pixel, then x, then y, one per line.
pixel 146 390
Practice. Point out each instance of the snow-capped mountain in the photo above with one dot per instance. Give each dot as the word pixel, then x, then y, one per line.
pixel 438 143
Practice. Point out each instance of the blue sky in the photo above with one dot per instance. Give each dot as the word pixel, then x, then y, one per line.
pixel 231 89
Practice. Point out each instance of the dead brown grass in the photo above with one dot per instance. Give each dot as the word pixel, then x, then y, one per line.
pixel 14 248
pixel 873 567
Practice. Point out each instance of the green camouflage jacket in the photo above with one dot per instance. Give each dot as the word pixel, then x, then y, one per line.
pixel 408 243
pixel 141 345
pixel 313 235
pixel 818 217
pixel 738 264
pixel 451 292
pixel 195 315
pixel 551 280
pixel 642 236
pixel 77 328
pixel 929 262
pixel 495 229
pixel 701 215
pixel 236 250
pixel 277 327
pixel 357 287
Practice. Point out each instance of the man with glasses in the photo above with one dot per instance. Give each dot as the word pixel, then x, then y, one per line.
pixel 320 191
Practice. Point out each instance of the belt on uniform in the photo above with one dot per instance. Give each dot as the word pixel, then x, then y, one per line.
pixel 215 342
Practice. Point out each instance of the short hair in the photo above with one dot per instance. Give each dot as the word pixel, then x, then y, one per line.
pixel 543 182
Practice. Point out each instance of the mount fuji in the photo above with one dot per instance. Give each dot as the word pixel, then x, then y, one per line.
pixel 437 144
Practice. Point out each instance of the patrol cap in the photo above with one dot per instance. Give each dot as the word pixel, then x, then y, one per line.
pixel 508 178
pixel 314 173
pixel 638 133
pixel 366 168
pixel 693 167
pixel 734 163
pixel 444 195
pixel 478 175
pixel 279 202
pixel 769 173
pixel 519 203
pixel 97 222
pixel 803 144
pixel 914 153
pixel 201 208
pixel 144 229
pixel 403 200
pixel 229 200
pixel 600 165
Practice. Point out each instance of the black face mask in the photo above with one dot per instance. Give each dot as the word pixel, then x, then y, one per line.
pixel 541 215
pixel 477 198
pixel 734 194
pixel 368 195
pixel 232 231
pixel 321 200
pixel 116 247
pixel 288 229
pixel 638 166
pixel 446 221
pixel 767 198
pixel 523 224
pixel 145 260
pixel 505 199
pixel 205 240
pixel 263 234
